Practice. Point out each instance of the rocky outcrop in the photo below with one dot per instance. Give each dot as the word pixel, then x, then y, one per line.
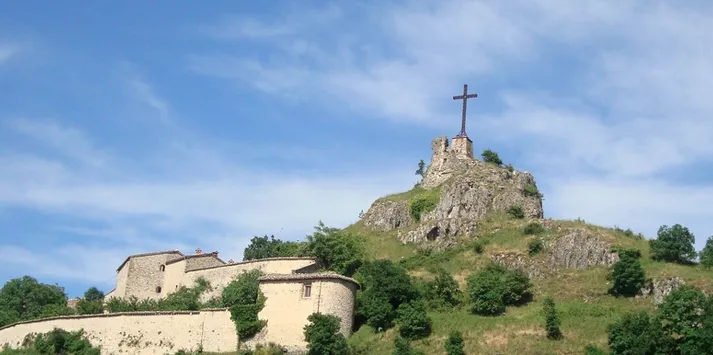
pixel 658 289
pixel 579 249
pixel 467 190
pixel 576 249
pixel 387 215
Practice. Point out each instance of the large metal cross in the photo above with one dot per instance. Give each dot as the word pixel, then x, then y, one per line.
pixel 465 98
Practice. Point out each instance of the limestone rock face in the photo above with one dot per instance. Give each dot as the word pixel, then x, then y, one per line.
pixel 660 288
pixel 387 215
pixel 469 189
pixel 580 249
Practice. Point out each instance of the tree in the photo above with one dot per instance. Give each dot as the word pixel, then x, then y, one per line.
pixel 552 321
pixel 490 156
pixel 674 244
pixel 421 168
pixel 707 254
pixel 26 298
pixel 494 287
pixel 413 321
pixel 323 337
pixel 682 311
pixel 335 249
pixel 443 292
pixel 700 339
pixel 627 275
pixel 385 286
pixel 633 334
pixel 92 303
pixel 454 344
pixel 264 247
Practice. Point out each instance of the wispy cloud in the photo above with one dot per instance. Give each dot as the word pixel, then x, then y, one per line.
pixel 146 95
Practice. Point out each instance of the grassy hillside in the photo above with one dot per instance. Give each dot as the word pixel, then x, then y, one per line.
pixel 584 306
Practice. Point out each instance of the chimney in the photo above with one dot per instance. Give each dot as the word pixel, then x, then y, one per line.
pixel 230 261
pixel 199 251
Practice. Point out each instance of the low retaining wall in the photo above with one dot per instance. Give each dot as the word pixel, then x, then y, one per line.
pixel 140 332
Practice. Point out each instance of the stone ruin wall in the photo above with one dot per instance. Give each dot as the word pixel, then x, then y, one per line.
pixel 140 332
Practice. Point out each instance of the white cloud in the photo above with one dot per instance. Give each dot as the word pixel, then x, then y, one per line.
pixel 145 94
pixel 628 105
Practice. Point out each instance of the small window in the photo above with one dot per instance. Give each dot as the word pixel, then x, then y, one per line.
pixel 158 289
pixel 307 290
pixel 162 268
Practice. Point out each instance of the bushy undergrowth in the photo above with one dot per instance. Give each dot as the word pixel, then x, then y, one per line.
pixel 493 288
pixel 57 341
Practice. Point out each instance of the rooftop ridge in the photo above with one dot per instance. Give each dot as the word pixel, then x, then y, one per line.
pixel 175 251
pixel 255 261
pixel 213 254
pixel 314 276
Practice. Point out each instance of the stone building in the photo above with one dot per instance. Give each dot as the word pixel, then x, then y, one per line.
pixel 293 286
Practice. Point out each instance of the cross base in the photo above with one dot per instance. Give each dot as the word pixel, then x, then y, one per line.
pixel 462 145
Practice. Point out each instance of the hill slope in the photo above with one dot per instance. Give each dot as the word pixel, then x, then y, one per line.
pixel 466 214
pixel 583 303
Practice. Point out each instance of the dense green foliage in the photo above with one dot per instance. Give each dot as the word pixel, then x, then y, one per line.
pixel 535 246
pixel 25 298
pixel 413 321
pixel 706 254
pixel 243 298
pixel 323 337
pixel 531 190
pixel 682 324
pixel 673 244
pixel 533 228
pixel 92 303
pixel 335 249
pixel 264 247
pixel 492 157
pixel 454 344
pixel 516 211
pixel 385 286
pixel 552 321
pixel 627 275
pixel 57 341
pixel 493 288
pixel 421 206
pixel 443 292
pixel 184 299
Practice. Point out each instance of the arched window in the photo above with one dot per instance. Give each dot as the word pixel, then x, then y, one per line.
pixel 162 268
pixel 158 289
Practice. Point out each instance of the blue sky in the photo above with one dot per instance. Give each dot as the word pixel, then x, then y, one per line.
pixel 162 125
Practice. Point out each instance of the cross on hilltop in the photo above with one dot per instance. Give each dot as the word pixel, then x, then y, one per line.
pixel 465 98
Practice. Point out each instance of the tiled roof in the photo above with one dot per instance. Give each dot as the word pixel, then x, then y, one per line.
pixel 148 254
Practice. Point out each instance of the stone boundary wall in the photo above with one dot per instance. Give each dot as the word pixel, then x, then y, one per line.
pixel 163 332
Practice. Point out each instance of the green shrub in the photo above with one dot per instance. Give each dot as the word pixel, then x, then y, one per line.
pixel 533 228
pixel 706 254
pixel 627 275
pixel 552 321
pixel 335 249
pixel 478 247
pixel 385 286
pixel 57 341
pixel 531 190
pixel 454 344
pixel 443 292
pixel 510 167
pixel 535 246
pixel 591 349
pixel 516 211
pixel 25 298
pixel 264 247
pixel 323 337
pixel 494 287
pixel 420 206
pixel 490 156
pixel 674 244
pixel 243 298
pixel 413 321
